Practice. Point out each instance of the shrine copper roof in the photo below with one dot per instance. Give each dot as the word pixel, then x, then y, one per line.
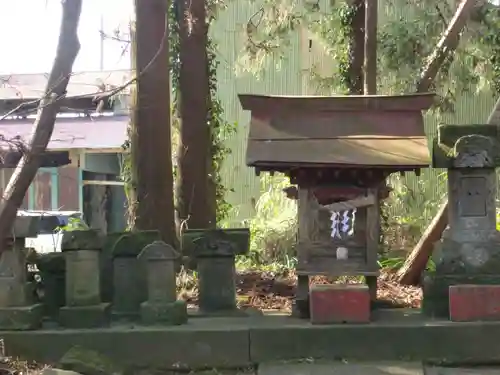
pixel 371 131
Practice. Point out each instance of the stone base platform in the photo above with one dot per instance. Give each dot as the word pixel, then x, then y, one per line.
pixel 436 291
pixel 21 318
pixel 240 342
pixel 85 316
pixel 174 313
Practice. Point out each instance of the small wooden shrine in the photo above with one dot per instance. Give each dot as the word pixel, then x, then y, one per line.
pixel 338 151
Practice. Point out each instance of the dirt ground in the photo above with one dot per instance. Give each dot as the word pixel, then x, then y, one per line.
pixel 276 292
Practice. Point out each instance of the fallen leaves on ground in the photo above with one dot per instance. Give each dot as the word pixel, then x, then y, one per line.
pixel 13 366
pixel 269 291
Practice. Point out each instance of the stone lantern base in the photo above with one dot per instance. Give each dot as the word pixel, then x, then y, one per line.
pixel 93 316
pixel 174 313
pixel 21 318
pixel 436 290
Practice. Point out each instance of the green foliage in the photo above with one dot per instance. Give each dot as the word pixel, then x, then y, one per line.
pixel 273 228
pixel 412 204
pixel 220 131
pixel 408 32
pixel 74 223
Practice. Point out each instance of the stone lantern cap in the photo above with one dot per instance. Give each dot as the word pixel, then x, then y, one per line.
pixel 371 131
pixel 87 239
pixel 159 251
pixel 467 146
pixel 220 242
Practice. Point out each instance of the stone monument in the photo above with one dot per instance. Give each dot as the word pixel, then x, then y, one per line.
pixel 162 306
pixel 469 251
pixel 17 308
pixel 215 252
pixel 129 273
pixel 84 308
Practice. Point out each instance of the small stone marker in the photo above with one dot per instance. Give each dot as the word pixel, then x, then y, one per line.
pixel 52 267
pixel 16 309
pixel 474 303
pixel 340 303
pixel 162 306
pixel 83 308
pixel 215 252
pixel 129 273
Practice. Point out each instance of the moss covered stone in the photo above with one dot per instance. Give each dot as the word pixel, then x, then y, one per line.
pixel 87 239
pixel 52 268
pixel 457 141
pixel 88 362
pixel 130 244
pixel 203 242
pixel 449 134
pixel 173 313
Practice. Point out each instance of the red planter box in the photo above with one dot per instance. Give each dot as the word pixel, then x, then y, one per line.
pixel 339 303
pixel 474 302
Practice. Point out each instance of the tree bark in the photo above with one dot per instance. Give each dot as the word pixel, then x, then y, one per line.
pixel 196 195
pixel 150 138
pixel 415 264
pixel 43 127
pixel 370 45
pixel 446 45
pixel 356 48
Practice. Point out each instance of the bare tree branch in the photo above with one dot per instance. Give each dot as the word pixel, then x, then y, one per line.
pixel 67 50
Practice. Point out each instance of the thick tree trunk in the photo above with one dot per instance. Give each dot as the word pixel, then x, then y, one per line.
pixel 370 66
pixel 196 195
pixel 67 50
pixel 415 264
pixel 150 146
pixel 356 48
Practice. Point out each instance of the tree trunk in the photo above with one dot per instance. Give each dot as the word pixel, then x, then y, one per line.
pixel 356 48
pixel 446 45
pixel 370 66
pixel 43 127
pixel 150 140
pixel 415 264
pixel 196 196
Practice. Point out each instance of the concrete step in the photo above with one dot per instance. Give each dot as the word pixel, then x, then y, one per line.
pixel 367 368
pixel 462 371
pixel 341 368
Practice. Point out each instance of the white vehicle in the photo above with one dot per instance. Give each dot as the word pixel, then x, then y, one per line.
pixel 50 233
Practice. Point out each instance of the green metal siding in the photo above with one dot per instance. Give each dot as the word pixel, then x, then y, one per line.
pixel 290 79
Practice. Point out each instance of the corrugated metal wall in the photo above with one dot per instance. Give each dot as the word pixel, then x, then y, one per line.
pixel 229 34
pixel 293 79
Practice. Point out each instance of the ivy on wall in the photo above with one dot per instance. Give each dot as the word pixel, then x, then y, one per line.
pixel 221 130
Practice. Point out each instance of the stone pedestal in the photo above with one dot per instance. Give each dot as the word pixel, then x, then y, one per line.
pixel 469 252
pixel 129 273
pixel 84 308
pixel 52 269
pixel 215 254
pixel 162 306
pixel 17 310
